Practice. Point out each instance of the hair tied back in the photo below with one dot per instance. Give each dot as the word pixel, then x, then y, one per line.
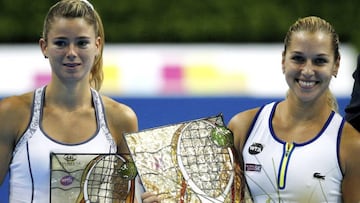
pixel 88 3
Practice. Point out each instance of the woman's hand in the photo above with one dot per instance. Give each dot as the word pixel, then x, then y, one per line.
pixel 148 197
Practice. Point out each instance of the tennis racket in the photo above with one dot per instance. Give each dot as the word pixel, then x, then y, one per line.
pixel 205 161
pixel 223 137
pixel 108 178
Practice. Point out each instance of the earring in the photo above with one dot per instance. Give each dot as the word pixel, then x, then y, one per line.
pixel 45 56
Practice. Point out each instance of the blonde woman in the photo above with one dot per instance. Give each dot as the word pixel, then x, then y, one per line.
pixel 68 115
pixel 300 149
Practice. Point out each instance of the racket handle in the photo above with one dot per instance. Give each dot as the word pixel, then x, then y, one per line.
pixel 131 195
pixel 183 191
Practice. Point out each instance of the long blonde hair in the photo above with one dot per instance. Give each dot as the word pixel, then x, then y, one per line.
pixel 332 101
pixel 80 9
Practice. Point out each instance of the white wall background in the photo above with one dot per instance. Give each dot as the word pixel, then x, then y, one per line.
pixel 200 70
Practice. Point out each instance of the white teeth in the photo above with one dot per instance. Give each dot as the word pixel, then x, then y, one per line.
pixel 306 84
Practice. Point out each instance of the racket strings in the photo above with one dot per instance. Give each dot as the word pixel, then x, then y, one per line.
pixel 104 183
pixel 207 166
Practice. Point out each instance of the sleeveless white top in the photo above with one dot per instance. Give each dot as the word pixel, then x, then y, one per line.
pixel 277 171
pixel 30 165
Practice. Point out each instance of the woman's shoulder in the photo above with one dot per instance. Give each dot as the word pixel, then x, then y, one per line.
pixel 15 113
pixel 350 142
pixel 350 136
pixel 116 107
pixel 244 116
pixel 241 122
pixel 16 103
pixel 118 112
pixel 249 114
pixel 349 150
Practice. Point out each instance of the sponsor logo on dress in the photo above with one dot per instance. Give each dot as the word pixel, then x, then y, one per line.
pixel 253 167
pixel 319 176
pixel 255 148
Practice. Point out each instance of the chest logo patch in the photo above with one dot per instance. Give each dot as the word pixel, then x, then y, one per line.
pixel 255 148
pixel 319 176
pixel 253 167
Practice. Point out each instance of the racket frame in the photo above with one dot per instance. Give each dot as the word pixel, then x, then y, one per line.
pixel 201 194
pixel 95 161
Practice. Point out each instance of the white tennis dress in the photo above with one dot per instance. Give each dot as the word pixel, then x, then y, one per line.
pixel 30 165
pixel 277 171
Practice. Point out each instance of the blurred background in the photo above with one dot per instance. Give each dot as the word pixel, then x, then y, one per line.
pixel 173 61
pixel 186 21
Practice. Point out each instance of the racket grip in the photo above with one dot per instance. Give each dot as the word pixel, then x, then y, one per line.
pixel 131 195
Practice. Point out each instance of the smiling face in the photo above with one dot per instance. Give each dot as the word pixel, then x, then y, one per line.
pixel 71 47
pixel 309 64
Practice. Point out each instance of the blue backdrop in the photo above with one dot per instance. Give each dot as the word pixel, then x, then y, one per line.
pixel 153 112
